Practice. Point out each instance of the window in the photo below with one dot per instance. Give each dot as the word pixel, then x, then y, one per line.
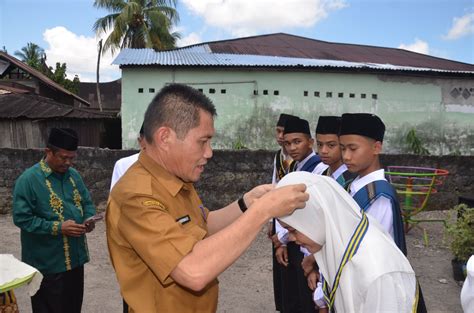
pixel 374 96
pixel 340 95
pixel 151 90
pixel 363 95
pixel 305 93
pixel 223 91
pixel 140 90
pixel 255 92
pixel 316 94
pixel 276 92
pixel 352 95
pixel 328 94
pixel 212 90
pixel 200 89
pixel 265 91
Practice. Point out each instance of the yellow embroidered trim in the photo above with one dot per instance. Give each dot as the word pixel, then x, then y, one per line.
pixel 154 203
pixel 55 228
pixel 77 197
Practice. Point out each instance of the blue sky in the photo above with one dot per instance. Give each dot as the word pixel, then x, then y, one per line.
pixel 442 28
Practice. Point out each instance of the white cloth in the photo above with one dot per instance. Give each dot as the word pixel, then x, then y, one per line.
pixel 379 277
pixel 381 209
pixel 467 291
pixel 320 168
pixel 12 269
pixel 121 166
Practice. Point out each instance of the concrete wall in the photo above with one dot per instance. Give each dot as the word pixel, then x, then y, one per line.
pixel 440 109
pixel 227 176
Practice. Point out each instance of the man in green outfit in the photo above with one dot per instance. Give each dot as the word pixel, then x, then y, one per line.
pixel 51 206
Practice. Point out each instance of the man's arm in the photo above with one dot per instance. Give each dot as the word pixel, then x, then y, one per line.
pixel 212 255
pixel 219 219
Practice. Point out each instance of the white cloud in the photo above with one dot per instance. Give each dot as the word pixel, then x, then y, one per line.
pixel 462 26
pixel 419 46
pixel 190 39
pixel 245 18
pixel 79 53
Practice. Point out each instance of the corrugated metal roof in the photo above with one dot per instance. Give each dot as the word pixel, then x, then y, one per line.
pixel 14 105
pixel 183 57
pixel 283 50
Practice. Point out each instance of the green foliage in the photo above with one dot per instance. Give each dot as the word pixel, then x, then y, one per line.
pixel 33 55
pixel 138 24
pixel 239 144
pixel 58 75
pixel 414 143
pixel 460 229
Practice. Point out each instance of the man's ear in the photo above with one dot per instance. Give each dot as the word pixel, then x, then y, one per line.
pixel 163 137
pixel 377 147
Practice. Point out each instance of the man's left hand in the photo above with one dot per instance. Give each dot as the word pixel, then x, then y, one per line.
pixel 256 193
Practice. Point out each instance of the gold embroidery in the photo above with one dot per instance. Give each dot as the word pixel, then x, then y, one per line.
pixel 154 203
pixel 57 205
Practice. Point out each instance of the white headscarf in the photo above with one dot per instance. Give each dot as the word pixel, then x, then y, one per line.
pixel 330 218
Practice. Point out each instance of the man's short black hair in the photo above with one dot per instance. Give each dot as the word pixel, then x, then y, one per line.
pixel 176 106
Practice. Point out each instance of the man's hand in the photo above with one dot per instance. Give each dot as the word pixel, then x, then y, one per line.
pixel 270 230
pixel 256 193
pixel 284 200
pixel 281 255
pixel 276 241
pixel 312 279
pixel 72 229
pixel 308 264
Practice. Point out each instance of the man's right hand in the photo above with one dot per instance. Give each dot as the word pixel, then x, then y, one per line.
pixel 284 200
pixel 281 255
pixel 72 229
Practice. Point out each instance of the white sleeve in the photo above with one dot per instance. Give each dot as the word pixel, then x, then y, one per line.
pixel 281 232
pixel 305 251
pixel 116 174
pixel 274 171
pixel 381 210
pixel 318 296
pixel 392 292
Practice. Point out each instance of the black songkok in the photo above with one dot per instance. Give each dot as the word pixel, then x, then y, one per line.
pixel 364 124
pixel 282 119
pixel 63 138
pixel 328 125
pixel 142 130
pixel 297 125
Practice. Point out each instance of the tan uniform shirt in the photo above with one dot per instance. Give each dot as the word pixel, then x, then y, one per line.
pixel 153 220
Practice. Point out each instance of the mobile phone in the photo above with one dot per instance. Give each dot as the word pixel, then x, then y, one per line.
pixel 94 218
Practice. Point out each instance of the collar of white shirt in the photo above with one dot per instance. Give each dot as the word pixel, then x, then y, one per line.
pixel 339 171
pixel 299 165
pixel 360 182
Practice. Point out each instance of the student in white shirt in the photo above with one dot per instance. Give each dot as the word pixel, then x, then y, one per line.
pixel 122 165
pixel 362 268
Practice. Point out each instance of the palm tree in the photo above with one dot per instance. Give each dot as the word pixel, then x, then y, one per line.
pixel 33 55
pixel 138 24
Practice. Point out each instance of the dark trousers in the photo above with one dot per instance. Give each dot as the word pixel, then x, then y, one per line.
pixel 60 293
pixel 297 297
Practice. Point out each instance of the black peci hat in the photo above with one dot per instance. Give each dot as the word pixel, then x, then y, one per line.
pixel 364 124
pixel 328 125
pixel 297 125
pixel 282 119
pixel 63 138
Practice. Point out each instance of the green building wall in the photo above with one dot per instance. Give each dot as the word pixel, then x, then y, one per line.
pixel 248 103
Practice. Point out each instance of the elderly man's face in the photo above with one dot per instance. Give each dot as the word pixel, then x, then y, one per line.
pixel 61 160
pixel 189 155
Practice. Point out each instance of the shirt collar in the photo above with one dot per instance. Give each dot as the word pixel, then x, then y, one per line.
pixel 339 171
pixel 360 182
pixel 171 183
pixel 299 165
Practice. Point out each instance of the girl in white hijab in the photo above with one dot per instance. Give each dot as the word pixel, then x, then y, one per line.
pixel 362 268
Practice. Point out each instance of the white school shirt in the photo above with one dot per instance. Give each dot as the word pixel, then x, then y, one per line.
pixel 381 209
pixel 339 171
pixel 121 166
pixel 282 233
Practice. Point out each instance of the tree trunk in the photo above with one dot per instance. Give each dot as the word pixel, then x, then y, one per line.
pixel 99 101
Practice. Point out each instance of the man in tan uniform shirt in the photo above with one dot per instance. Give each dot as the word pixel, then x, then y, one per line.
pixel 166 247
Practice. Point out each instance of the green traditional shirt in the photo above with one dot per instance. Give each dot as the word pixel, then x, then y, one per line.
pixel 42 200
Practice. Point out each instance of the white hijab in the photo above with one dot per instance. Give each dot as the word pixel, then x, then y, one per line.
pixel 330 218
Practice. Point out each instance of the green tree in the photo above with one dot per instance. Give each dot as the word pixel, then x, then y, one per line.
pixel 58 74
pixel 33 55
pixel 138 24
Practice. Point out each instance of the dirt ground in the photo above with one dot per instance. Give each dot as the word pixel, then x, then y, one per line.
pixel 247 285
